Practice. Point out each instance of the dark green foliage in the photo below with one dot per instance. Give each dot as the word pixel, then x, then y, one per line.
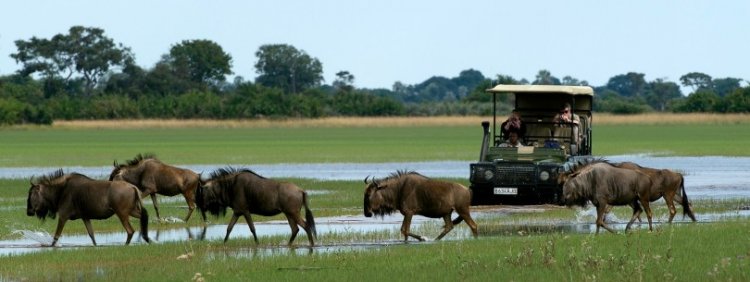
pixel 84 75
pixel 283 66
pixel 701 101
pixel 610 101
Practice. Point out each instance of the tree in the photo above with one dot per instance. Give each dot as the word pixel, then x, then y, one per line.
pixel 84 50
pixel 629 85
pixel 344 81
pixel 739 101
pixel 546 78
pixel 700 101
pixel 569 80
pixel 200 61
pixel 285 67
pixel 724 86
pixel 661 92
pixel 696 80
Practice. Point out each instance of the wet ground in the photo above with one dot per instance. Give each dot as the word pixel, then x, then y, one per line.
pixel 705 178
pixel 357 227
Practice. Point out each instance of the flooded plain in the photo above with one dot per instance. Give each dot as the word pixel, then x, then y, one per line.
pixel 705 178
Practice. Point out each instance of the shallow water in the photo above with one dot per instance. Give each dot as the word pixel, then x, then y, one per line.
pixel 35 241
pixel 705 177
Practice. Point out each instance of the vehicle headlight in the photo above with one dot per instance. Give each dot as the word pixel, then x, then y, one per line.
pixel 488 174
pixel 544 175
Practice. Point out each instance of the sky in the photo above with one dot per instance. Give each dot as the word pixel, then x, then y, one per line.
pixel 382 42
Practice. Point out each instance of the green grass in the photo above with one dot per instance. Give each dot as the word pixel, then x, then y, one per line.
pixel 679 140
pixel 99 147
pixel 704 251
pixel 688 252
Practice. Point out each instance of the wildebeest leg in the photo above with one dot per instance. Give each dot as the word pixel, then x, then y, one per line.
pixel 600 211
pixel 466 216
pixel 293 224
pixel 156 206
pixel 250 224
pixel 90 229
pixel 294 220
pixel 128 228
pixel 636 214
pixel 646 206
pixel 232 221
pixel 60 224
pixel 447 227
pixel 405 229
pixel 190 199
pixel 669 198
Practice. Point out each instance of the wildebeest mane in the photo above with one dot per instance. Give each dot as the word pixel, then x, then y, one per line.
pixel 581 163
pixel 230 171
pixel 140 158
pixel 49 179
pixel 134 162
pixel 401 173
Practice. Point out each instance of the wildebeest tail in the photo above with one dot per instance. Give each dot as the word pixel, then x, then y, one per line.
pixel 685 203
pixel 309 216
pixel 144 216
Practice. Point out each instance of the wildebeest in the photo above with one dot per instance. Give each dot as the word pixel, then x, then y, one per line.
pixel 414 194
pixel 249 193
pixel 153 177
pixel 73 196
pixel 606 185
pixel 667 184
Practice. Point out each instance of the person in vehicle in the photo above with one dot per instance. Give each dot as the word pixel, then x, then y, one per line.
pixel 513 123
pixel 566 118
pixel 513 141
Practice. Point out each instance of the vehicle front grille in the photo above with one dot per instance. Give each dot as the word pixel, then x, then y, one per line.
pixel 516 175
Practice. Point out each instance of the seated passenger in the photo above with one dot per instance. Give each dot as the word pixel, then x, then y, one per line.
pixel 513 141
pixel 565 118
pixel 513 123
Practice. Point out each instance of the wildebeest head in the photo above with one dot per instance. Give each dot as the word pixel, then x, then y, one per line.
pixel 210 197
pixel 374 202
pixel 574 190
pixel 120 171
pixel 117 171
pixel 37 205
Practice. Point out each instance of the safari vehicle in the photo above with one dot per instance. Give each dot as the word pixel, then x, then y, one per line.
pixel 528 175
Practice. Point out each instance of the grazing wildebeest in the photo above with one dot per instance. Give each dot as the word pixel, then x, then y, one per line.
pixel 73 196
pixel 412 193
pixel 667 184
pixel 249 193
pixel 606 185
pixel 153 177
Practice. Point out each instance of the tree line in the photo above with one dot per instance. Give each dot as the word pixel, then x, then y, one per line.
pixel 84 74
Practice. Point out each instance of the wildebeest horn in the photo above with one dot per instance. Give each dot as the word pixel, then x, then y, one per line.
pixel 114 163
pixel 366 179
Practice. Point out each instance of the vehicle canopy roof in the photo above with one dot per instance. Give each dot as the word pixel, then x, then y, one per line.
pixel 565 89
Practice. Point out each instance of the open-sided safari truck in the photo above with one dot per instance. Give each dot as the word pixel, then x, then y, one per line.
pixel 528 175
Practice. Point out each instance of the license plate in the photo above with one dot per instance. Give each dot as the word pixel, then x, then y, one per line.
pixel 505 191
